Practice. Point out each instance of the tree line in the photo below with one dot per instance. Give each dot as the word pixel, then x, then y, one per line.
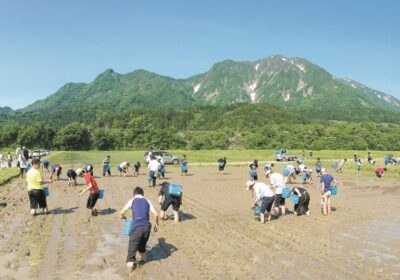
pixel 246 126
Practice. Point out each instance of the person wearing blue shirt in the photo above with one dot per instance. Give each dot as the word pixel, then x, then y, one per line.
pixel 140 228
pixel 326 181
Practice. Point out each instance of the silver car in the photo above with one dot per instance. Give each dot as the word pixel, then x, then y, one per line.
pixel 167 157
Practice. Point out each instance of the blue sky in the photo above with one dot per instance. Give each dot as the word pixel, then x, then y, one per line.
pixel 45 44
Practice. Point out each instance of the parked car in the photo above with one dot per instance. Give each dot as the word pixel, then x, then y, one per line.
pixel 39 153
pixel 283 155
pixel 167 157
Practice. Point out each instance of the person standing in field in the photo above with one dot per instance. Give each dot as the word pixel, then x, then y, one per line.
pixel 318 166
pixel 278 183
pixel 36 194
pixel 326 181
pixel 165 199
pixel 355 158
pixel 18 151
pixel 106 166
pixel 22 165
pixel 25 153
pixel 161 171
pixel 311 155
pixel 140 228
pixel 358 167
pixel 154 167
pixel 184 166
pixel 379 172
pixel 253 170
pixel 221 165
pixel 301 207
pixel 9 160
pixel 93 189
pixel 1 159
pixel 263 194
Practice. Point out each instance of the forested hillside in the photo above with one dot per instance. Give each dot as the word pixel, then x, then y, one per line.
pixel 236 126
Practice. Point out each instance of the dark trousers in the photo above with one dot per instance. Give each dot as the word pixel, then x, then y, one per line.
pixel 138 241
pixel 302 207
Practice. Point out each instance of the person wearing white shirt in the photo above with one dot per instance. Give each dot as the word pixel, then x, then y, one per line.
pixel 154 165
pixel 123 168
pixel 22 165
pixel 265 195
pixel 277 183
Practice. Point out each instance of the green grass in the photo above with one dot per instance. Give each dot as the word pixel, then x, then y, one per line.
pixel 7 173
pixel 77 159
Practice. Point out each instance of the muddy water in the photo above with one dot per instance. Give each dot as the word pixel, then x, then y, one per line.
pixel 218 237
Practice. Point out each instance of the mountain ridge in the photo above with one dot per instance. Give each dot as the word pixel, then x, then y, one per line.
pixel 285 82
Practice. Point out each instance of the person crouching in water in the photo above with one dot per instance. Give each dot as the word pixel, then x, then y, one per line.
pixel 136 168
pixel 263 194
pixel 277 183
pixel 165 199
pixel 141 228
pixel 301 207
pixel 72 174
pixel 36 194
pixel 55 170
pixel 123 168
pixel 379 172
pixel 93 189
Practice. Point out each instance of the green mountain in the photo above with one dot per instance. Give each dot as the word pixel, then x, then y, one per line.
pixel 6 110
pixel 286 82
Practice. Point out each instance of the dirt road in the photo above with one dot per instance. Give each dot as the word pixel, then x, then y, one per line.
pixel 218 238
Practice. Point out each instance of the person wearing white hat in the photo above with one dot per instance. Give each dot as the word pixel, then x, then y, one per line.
pixel 263 194
pixel 277 183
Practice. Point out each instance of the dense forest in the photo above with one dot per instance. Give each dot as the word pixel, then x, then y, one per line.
pixel 241 126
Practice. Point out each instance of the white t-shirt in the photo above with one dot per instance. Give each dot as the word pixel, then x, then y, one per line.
pixel 128 205
pixel 154 165
pixel 18 152
pixel 262 190
pixel 123 165
pixel 22 161
pixel 278 181
pixel 290 168
pixel 302 167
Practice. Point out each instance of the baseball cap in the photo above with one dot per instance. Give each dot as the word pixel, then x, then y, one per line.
pixel 249 184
